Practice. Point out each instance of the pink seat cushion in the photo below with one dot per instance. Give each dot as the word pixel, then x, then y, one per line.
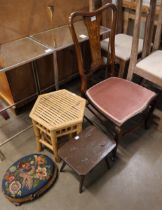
pixel 119 99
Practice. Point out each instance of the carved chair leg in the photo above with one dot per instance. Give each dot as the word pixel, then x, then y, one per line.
pixel 149 113
pixel 118 133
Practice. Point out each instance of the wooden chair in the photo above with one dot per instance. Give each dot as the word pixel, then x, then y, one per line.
pixel 123 41
pixel 140 68
pixel 150 67
pixel 116 99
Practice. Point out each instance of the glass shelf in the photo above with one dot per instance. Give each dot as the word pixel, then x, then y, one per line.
pixel 19 52
pixel 60 38
pixel 22 51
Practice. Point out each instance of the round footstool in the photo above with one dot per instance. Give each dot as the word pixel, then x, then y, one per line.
pixel 28 178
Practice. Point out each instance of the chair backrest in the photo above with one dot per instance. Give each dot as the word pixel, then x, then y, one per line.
pixel 148 37
pixel 147 46
pixel 126 14
pixel 92 21
pixel 157 38
pixel 129 14
pixel 94 4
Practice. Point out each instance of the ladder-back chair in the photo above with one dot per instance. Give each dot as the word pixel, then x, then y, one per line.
pixel 123 40
pixel 116 99
pixel 150 67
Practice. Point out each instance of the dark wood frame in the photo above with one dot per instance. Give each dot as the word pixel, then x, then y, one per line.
pixel 93 28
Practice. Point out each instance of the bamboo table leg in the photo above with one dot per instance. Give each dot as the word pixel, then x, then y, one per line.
pixel 37 136
pixel 55 146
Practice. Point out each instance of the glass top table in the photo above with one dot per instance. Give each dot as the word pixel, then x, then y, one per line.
pixel 19 52
pixel 60 38
pixel 22 51
pixel 28 49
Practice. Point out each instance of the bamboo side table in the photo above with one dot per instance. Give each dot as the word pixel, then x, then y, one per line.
pixel 54 115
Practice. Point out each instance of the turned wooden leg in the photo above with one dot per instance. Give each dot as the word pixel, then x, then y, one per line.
pixel 63 166
pixel 118 133
pixel 149 113
pixel 82 177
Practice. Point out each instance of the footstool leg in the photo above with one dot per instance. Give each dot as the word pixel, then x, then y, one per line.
pixel 114 156
pixel 63 166
pixel 107 162
pixel 82 177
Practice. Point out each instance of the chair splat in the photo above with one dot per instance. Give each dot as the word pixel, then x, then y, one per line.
pixel 93 28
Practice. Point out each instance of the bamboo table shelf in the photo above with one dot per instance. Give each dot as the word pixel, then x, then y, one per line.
pixel 54 115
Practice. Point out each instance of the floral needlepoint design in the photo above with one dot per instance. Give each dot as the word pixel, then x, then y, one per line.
pixel 9 178
pixel 28 175
pixel 39 160
pixel 41 173
pixel 14 187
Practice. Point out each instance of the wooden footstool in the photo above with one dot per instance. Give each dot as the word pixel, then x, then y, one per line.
pixel 54 115
pixel 85 151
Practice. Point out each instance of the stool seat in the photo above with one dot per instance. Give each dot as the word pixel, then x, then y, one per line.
pixel 28 178
pixel 86 150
